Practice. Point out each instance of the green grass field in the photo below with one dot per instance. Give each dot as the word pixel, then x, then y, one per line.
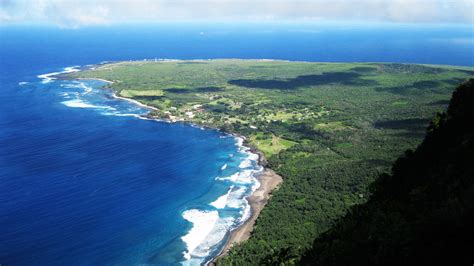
pixel 328 128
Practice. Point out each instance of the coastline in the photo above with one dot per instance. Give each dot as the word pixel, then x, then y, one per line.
pixel 104 80
pixel 268 179
pixel 114 94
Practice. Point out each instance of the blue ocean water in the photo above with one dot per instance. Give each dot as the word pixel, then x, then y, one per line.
pixel 84 181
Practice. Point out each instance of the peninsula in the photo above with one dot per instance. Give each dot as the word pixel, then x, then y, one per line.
pixel 328 129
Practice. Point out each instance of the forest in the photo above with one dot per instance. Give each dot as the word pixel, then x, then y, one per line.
pixel 420 214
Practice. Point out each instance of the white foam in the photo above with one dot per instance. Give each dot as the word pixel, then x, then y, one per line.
pixel 213 237
pixel 82 85
pixel 252 156
pixel 78 85
pixel 77 103
pixel 71 85
pixel 22 83
pixel 203 223
pixel 70 69
pixel 246 212
pixel 245 163
pixel 130 115
pixel 48 77
pixel 239 141
pixel 256 185
pixel 242 177
pixel 87 89
pixel 217 234
pixel 236 199
pixel 209 228
pixel 223 167
pixel 221 202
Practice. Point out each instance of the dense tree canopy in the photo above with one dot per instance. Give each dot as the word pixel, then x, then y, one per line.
pixel 421 214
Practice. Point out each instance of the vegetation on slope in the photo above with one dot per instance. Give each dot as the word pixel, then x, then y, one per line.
pixel 421 214
pixel 328 129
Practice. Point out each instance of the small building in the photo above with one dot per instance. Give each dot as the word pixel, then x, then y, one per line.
pixel 189 114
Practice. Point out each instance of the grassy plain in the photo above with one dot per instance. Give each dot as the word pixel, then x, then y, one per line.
pixel 328 128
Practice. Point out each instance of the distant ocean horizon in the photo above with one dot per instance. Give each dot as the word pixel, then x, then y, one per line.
pixel 84 179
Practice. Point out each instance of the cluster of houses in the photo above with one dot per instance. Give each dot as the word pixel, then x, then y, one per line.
pixel 189 113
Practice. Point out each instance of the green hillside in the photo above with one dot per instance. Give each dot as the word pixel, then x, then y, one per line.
pixel 421 214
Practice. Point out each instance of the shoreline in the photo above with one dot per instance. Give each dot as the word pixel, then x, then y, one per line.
pixel 269 181
pixel 104 80
pixel 114 94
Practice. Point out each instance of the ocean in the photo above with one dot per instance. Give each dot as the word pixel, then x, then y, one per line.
pixel 85 180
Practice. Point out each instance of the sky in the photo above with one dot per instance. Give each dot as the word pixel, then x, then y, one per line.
pixel 78 13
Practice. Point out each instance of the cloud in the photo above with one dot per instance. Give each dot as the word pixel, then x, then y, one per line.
pixel 64 13
pixel 72 13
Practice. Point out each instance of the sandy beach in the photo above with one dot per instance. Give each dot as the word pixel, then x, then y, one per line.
pixel 114 94
pixel 269 180
pixel 104 80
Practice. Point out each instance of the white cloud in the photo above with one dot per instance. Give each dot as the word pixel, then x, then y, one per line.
pixel 72 13
pixel 64 13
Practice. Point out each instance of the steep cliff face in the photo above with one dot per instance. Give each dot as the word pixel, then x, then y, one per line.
pixel 423 213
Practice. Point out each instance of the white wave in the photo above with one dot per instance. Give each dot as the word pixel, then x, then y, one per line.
pixel 246 212
pixel 245 163
pixel 221 202
pixel 239 141
pixel 214 234
pixel 70 69
pixel 77 103
pixel 223 167
pixel 252 156
pixel 87 89
pixel 75 85
pixel 78 85
pixel 236 199
pixel 48 77
pixel 65 95
pixel 217 234
pixel 209 229
pixel 242 177
pixel 203 223
pixel 256 185
pixel 130 115
pixel 22 83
